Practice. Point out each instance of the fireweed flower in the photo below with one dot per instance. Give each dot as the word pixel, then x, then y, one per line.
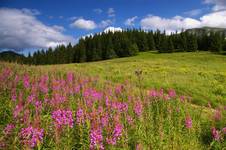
pixel 224 130
pixel 117 133
pixel 188 122
pixel 63 118
pixel 96 139
pixel 17 110
pixel 31 98
pixel 138 108
pixel 13 94
pixel 26 81
pixel 172 93
pixel 217 115
pixel 161 93
pixel 129 119
pixel 38 106
pixel 123 107
pixel 215 134
pixel 8 129
pixel 57 98
pixel 70 77
pixel 104 120
pixel 80 116
pixel 107 102
pixel 118 89
pixel 182 98
pixel 31 136
pixel 153 93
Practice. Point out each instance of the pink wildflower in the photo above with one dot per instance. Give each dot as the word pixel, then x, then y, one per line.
pixel 104 120
pixel 26 81
pixel 188 122
pixel 117 133
pixel 224 130
pixel 8 129
pixel 172 93
pixel 63 117
pixel 153 93
pixel 80 116
pixel 31 136
pixel 215 134
pixel 96 139
pixel 129 119
pixel 138 108
pixel 70 77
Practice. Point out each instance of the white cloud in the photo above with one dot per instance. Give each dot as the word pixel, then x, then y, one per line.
pixel 214 19
pixel 111 12
pixel 105 23
pixel 59 28
pixel 113 29
pixel 84 24
pixel 218 4
pixel 168 24
pixel 130 21
pixel 98 10
pixel 20 29
pixel 194 12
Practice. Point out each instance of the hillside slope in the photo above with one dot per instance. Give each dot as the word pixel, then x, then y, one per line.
pixel 201 75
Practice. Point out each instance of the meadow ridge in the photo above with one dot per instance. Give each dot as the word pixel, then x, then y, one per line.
pixel 141 102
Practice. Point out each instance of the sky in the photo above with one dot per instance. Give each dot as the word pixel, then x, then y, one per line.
pixel 28 25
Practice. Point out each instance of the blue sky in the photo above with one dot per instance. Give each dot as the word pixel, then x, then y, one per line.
pixel 28 25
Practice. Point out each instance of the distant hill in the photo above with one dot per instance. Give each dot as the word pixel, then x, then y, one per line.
pixel 11 56
pixel 206 30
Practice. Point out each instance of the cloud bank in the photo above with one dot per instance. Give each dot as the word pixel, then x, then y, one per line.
pixel 20 29
pixel 213 19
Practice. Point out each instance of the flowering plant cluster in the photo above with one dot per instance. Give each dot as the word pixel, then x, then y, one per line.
pixel 77 112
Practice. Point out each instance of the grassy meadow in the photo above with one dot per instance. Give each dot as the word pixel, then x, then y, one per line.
pixel 149 101
pixel 201 75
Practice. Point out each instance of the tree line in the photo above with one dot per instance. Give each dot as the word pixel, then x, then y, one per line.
pixel 110 45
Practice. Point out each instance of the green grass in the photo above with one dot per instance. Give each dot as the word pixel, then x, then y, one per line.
pixel 202 75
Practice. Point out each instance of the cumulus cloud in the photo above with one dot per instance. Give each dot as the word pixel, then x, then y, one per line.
pixel 20 29
pixel 111 12
pixel 98 10
pixel 214 19
pixel 105 23
pixel 130 21
pixel 84 24
pixel 218 4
